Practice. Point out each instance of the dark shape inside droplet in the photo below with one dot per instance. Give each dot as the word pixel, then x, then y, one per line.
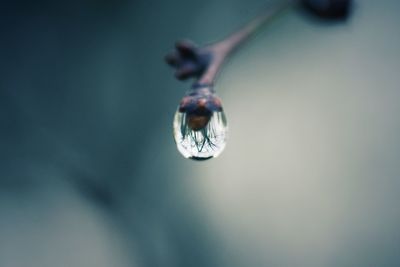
pixel 198 122
pixel 200 158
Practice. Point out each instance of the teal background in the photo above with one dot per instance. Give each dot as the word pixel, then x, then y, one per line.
pixel 89 172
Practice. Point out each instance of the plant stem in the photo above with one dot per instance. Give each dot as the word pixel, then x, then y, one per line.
pixel 223 49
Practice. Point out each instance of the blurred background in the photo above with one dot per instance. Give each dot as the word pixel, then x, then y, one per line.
pixel 89 172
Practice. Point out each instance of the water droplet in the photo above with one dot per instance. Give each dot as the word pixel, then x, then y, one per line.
pixel 200 128
pixel 200 136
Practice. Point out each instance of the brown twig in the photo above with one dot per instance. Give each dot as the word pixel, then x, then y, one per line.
pixel 204 63
pixel 223 49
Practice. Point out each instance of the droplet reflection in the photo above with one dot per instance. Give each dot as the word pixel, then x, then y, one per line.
pixel 200 128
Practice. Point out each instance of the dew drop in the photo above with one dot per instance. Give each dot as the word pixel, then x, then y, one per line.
pixel 200 128
pixel 199 136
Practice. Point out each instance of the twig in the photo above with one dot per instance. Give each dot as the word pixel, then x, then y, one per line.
pixel 204 63
pixel 223 49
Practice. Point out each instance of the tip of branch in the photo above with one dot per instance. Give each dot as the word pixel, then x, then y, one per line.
pixel 329 9
pixel 189 60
